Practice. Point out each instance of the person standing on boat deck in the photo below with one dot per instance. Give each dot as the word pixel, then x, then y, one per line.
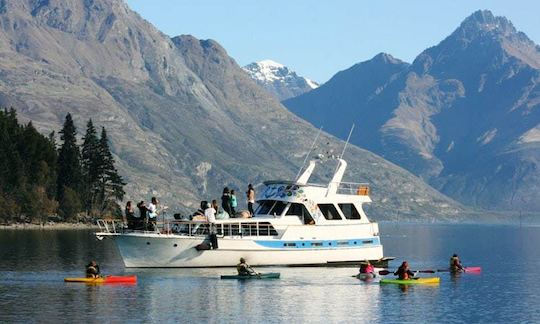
pixel 130 215
pixel 244 269
pixel 250 193
pixel 226 201
pixel 142 214
pixel 152 213
pixel 210 215
pixel 234 204
pixel 455 264
pixel 403 271
pixel 92 270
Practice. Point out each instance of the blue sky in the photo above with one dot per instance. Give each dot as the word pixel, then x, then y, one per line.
pixel 319 38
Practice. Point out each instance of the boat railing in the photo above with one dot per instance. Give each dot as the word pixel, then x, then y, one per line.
pixel 197 228
pixel 193 228
pixel 353 188
pixel 116 226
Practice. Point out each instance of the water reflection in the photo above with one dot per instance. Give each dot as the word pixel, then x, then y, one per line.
pixel 34 264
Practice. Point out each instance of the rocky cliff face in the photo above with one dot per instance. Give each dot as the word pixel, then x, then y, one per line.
pixel 279 80
pixel 464 115
pixel 185 120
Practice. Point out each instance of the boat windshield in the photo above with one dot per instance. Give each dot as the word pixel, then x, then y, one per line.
pixel 270 207
pixel 300 211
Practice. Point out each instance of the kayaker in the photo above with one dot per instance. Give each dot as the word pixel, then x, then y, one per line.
pixel 92 270
pixel 455 264
pixel 366 267
pixel 244 269
pixel 403 271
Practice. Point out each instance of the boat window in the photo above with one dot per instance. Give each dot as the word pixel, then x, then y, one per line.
pixel 264 207
pixel 278 208
pixel 349 211
pixel 300 211
pixel 329 211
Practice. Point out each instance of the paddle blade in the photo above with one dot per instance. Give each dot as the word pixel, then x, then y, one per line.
pixel 384 272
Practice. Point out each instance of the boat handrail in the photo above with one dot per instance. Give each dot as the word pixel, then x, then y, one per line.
pixel 194 228
pixel 353 188
pixel 239 228
pixel 343 187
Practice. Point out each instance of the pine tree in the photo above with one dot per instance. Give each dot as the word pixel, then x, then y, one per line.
pixel 90 166
pixel 111 183
pixel 69 166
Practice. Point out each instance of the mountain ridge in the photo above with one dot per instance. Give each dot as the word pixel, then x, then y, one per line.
pixel 454 117
pixel 185 120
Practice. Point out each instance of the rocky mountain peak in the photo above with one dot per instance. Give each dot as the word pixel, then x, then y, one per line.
pixel 386 58
pixel 279 80
pixel 485 21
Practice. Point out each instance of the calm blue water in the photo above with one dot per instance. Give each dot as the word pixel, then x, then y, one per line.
pixel 34 263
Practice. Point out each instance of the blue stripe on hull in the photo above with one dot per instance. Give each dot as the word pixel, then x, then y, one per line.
pixel 319 244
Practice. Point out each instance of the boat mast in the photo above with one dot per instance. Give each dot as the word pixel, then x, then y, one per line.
pixel 309 152
pixel 347 142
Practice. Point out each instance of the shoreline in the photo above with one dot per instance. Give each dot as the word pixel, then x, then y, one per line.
pixel 49 226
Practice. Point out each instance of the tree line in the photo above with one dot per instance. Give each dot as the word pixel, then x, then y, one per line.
pixel 40 179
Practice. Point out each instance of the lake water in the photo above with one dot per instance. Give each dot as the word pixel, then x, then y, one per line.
pixel 34 263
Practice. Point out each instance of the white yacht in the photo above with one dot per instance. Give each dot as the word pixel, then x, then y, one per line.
pixel 295 224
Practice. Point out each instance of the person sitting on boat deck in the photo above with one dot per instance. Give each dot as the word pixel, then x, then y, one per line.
pixel 244 269
pixel 366 267
pixel 455 264
pixel 403 271
pixel 200 211
pixel 92 270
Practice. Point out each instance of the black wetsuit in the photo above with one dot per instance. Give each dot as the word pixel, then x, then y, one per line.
pixel 401 273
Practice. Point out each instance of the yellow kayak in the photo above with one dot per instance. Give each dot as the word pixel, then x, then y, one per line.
pixel 413 281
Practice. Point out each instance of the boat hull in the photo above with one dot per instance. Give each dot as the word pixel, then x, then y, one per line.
pixel 164 251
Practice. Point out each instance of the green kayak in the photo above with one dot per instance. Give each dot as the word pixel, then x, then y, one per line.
pixel 270 275
pixel 415 281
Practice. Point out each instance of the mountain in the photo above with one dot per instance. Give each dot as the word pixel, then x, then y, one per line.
pixel 279 80
pixel 464 116
pixel 185 120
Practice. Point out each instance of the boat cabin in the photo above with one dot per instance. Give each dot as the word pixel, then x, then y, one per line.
pixel 314 204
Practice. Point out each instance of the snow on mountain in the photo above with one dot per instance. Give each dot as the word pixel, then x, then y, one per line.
pixel 279 80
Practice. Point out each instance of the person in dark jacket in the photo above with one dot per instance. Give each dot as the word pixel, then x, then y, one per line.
pixel 92 270
pixel 455 264
pixel 403 271
pixel 226 201
pixel 132 221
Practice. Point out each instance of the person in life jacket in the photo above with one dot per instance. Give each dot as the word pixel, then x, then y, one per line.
pixel 244 269
pixel 455 264
pixel 366 267
pixel 403 271
pixel 92 270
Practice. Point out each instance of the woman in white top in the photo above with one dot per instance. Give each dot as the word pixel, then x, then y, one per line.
pixel 210 214
pixel 152 213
